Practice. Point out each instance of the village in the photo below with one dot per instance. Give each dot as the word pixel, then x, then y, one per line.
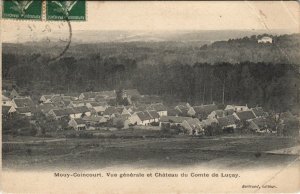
pixel 124 109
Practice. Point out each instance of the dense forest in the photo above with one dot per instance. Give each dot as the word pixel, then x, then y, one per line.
pixel 233 71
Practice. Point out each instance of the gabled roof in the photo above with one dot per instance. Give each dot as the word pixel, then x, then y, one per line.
pixel 23 110
pixel 228 112
pixel 80 109
pixel 259 112
pixel 5 109
pixel 260 122
pixel 153 114
pixel 24 102
pixel 119 109
pixel 63 112
pixel 205 109
pixel 46 107
pixel 226 121
pixel 173 112
pixel 174 119
pixel 110 110
pixel 220 113
pixel 245 115
pixel 79 121
pixel 14 93
pixel 144 116
pixel 49 96
pixel 95 119
pixel 95 104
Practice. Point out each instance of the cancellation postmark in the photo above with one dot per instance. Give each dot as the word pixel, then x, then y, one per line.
pixel 66 10
pixel 60 10
pixel 19 9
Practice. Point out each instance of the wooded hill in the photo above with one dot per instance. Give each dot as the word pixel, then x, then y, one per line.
pixel 242 69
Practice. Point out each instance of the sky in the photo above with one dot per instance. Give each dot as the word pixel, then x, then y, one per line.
pixel 164 16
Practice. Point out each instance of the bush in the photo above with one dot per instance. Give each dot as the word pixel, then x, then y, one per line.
pixel 213 129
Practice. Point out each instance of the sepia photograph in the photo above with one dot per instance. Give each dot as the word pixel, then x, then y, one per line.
pixel 117 91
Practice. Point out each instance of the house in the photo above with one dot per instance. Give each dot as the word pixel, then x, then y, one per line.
pixel 185 110
pixel 123 111
pixel 99 107
pixel 159 108
pixel 259 112
pixel 94 120
pixel 27 111
pixel 22 102
pixel 45 108
pixel 154 115
pixel 77 123
pixel 260 125
pixel 8 111
pixel 237 108
pixel 209 121
pixel 110 112
pixel 227 122
pixel 80 111
pixel 173 112
pixel 193 126
pixel 203 111
pixel 58 114
pixel 265 39
pixel 245 115
pixel 220 113
pixel 141 118
pixel 6 101
pixel 47 98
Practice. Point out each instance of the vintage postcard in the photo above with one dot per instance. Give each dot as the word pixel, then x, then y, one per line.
pixel 150 96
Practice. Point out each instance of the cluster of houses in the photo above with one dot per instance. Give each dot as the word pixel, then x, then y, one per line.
pixel 90 110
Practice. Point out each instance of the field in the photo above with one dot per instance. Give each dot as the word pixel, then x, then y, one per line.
pixel 148 151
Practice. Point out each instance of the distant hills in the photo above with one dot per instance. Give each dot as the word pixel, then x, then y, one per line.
pixel 160 36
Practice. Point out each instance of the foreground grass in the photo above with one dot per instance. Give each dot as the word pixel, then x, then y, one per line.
pixel 91 153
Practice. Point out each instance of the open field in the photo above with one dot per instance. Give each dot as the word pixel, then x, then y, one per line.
pixel 221 152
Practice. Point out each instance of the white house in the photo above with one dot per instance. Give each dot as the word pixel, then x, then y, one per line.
pixel 193 126
pixel 141 118
pixel 265 39
pixel 228 122
pixel 237 108
pixel 159 108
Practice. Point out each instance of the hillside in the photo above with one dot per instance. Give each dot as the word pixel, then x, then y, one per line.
pixel 264 74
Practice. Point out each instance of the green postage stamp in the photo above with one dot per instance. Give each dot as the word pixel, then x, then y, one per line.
pixel 50 10
pixel 66 10
pixel 14 9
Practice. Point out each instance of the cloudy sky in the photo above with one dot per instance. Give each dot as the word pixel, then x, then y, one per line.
pixel 165 16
